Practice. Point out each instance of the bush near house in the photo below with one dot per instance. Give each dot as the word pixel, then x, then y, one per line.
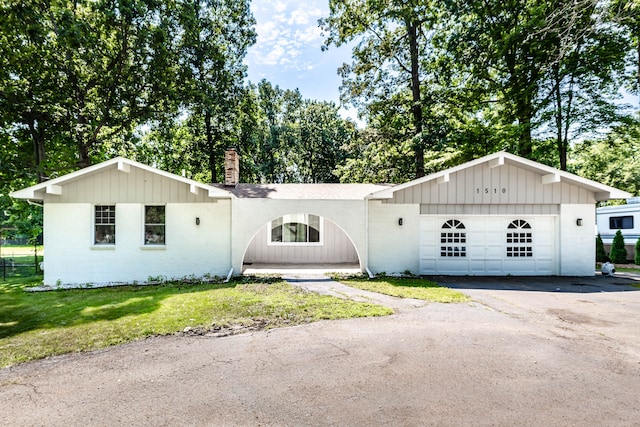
pixel 636 259
pixel 618 252
pixel 601 254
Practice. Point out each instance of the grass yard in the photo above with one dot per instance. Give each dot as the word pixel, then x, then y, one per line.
pixel 407 287
pixel 19 250
pixel 34 325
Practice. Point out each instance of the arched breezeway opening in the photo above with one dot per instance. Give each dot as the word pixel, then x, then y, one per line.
pixel 300 241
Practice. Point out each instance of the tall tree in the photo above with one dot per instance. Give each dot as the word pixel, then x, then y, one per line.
pixel 83 71
pixel 583 79
pixel 626 13
pixel 613 160
pixel 393 37
pixel 502 63
pixel 213 42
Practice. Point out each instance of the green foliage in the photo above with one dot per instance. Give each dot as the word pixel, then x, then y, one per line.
pixel 613 160
pixel 438 83
pixel 636 258
pixel 601 254
pixel 618 252
pixel 409 287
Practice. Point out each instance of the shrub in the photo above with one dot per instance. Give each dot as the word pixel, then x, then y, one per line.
pixel 636 259
pixel 601 255
pixel 618 252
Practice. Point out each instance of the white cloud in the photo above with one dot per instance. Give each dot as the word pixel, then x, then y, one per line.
pixel 287 37
pixel 280 6
pixel 309 35
pixel 299 17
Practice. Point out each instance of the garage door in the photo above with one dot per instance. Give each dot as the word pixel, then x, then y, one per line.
pixel 488 245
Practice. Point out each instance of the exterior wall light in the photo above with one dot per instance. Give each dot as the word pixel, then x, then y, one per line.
pixel 399 221
pixel 579 222
pixel 197 221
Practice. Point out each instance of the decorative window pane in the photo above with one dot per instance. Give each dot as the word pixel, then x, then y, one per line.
pixel 154 225
pixel 453 243
pixel 296 228
pixel 105 225
pixel 518 238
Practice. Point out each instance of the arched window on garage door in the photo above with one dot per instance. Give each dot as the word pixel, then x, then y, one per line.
pixel 519 239
pixel 453 239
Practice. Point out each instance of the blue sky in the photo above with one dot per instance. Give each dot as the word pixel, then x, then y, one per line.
pixel 287 51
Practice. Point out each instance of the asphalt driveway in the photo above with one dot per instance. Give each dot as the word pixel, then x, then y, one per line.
pixel 526 351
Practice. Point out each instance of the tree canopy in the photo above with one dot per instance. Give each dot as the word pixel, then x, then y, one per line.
pixel 438 82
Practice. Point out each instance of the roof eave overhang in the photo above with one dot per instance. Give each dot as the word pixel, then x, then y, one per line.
pixel 54 186
pixel 549 175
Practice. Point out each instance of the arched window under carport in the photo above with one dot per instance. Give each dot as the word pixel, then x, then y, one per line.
pixel 296 229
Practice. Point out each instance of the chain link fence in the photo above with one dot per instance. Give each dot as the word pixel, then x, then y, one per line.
pixel 19 262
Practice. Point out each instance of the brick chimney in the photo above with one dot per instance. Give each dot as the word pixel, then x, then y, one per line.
pixel 231 167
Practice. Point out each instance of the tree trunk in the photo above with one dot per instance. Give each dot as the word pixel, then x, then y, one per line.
pixel 37 136
pixel 210 146
pixel 524 114
pixel 560 141
pixel 416 108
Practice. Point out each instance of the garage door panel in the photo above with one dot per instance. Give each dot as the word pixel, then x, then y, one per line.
pixel 494 252
pixel 428 266
pixel 453 266
pixel 486 246
pixel 494 267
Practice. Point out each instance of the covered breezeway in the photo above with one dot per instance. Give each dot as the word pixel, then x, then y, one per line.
pixel 300 242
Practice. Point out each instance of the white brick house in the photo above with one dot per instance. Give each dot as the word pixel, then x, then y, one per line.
pixel 122 221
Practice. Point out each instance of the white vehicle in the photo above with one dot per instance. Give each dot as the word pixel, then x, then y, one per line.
pixel 626 218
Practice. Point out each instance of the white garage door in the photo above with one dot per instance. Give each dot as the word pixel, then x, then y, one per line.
pixel 488 245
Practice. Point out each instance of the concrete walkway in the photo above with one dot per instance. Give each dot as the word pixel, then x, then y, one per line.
pixel 326 286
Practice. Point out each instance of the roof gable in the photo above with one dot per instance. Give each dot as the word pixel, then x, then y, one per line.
pixel 500 178
pixel 56 187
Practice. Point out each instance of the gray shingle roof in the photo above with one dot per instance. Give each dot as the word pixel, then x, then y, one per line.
pixel 304 191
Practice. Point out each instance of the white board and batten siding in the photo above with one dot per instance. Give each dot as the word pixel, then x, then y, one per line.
pixel 336 247
pixel 110 186
pixel 486 200
pixel 503 185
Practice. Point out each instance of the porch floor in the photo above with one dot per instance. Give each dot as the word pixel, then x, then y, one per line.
pixel 300 269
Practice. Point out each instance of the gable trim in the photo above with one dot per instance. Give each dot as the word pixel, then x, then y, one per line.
pixel 54 186
pixel 548 174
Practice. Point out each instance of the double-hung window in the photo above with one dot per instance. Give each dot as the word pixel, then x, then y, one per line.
pixel 105 225
pixel 154 225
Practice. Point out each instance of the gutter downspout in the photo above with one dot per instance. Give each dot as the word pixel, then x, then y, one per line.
pixel 231 201
pixel 366 237
pixel 229 276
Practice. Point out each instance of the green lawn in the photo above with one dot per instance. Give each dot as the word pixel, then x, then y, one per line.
pixel 18 250
pixel 35 325
pixel 408 287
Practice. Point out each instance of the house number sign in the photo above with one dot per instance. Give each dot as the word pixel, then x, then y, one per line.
pixel 488 190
